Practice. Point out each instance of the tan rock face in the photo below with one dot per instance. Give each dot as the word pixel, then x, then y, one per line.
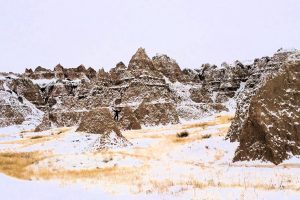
pixel 262 69
pixel 60 72
pixel 158 113
pixel 128 120
pixel 109 141
pixel 168 67
pixel 120 74
pixel 10 116
pixel 40 73
pixel 45 124
pixel 14 109
pixel 271 131
pixel 224 82
pixel 60 119
pixel 1 85
pixel 200 95
pixel 141 64
pixel 99 121
pixel 25 88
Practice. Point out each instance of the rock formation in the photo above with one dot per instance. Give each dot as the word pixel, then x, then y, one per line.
pixel 167 66
pixel 158 113
pixel 261 70
pixel 141 64
pixel 156 91
pixel 267 119
pixel 60 119
pixel 14 108
pixel 27 89
pixel 128 121
pixel 99 121
pixel 109 141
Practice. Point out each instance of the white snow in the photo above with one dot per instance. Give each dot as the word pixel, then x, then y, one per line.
pixel 15 189
pixel 44 82
pixel 164 167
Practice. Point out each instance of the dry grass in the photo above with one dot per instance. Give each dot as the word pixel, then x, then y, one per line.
pixel 27 131
pixel 163 186
pixel 221 119
pixel 139 154
pixel 36 137
pixel 181 140
pixel 111 175
pixel 15 164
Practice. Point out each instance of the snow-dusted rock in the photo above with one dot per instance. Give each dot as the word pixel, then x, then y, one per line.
pixel 267 120
pixel 98 121
pixel 128 121
pixel 261 70
pixel 167 66
pixel 16 109
pixel 157 113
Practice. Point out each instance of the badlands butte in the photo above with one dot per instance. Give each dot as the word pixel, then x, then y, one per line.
pixel 264 95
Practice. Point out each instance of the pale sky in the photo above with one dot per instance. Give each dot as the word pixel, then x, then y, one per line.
pixel 100 33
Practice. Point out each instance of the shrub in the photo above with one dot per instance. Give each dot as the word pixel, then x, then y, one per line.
pixel 206 136
pixel 107 159
pixel 182 134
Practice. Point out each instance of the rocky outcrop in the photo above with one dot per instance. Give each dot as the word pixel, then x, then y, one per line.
pixel 272 128
pixel 39 73
pixel 157 113
pixel 110 141
pixel 222 82
pixel 60 72
pixel 26 88
pixel 10 116
pixel 15 109
pixel 141 64
pixel 201 95
pixel 168 67
pixel 60 119
pixel 120 74
pixel 128 120
pixel 261 70
pixel 99 121
pixel 45 124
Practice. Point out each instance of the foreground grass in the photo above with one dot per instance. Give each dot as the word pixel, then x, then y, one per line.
pixel 221 119
pixel 15 164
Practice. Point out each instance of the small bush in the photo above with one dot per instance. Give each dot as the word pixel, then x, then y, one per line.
pixel 206 136
pixel 182 134
pixel 36 137
pixel 107 159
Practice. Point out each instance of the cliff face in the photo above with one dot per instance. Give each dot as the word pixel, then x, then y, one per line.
pixel 15 108
pixel 271 130
pixel 261 70
pixel 266 122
